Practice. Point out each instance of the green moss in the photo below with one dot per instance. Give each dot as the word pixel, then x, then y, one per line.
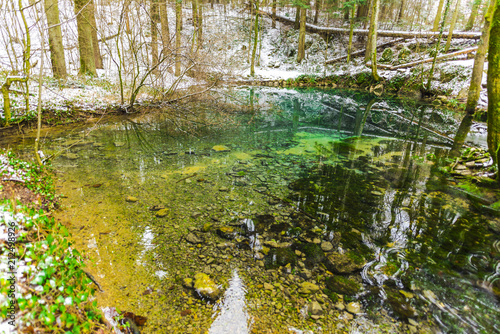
pixel 342 285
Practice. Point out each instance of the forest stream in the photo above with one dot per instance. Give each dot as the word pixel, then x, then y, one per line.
pixel 319 211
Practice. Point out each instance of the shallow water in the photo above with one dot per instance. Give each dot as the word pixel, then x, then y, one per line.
pixel 314 186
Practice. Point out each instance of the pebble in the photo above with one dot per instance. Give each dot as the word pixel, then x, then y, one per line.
pixel 354 308
pixel 326 246
pixel 131 199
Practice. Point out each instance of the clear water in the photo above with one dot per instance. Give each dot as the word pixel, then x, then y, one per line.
pixel 302 167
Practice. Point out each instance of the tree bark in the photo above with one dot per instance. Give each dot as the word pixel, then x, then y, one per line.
pixel 373 38
pixel 255 39
pixel 165 31
pixel 297 18
pixel 436 50
pixel 477 70
pixel 57 58
pixel 95 39
pixel 200 24
pixel 273 25
pixel 452 26
pixel 154 34
pixel 351 28
pixel 178 18
pixel 473 13
pixel 85 44
pixel 494 87
pixel 317 4
pixel 401 10
pixel 301 53
pixel 438 16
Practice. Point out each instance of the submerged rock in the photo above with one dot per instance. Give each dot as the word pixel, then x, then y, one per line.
pixel 354 307
pixel 345 263
pixel 308 288
pixel 315 310
pixel 280 257
pixel 70 156
pixel 131 199
pixel 192 238
pixel 399 305
pixel 326 246
pixel 342 285
pixel 161 213
pixel 188 283
pixel 220 148
pixel 226 232
pixel 204 285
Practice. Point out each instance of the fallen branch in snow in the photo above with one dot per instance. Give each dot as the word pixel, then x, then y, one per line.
pixel 381 33
pixel 362 52
pixel 426 60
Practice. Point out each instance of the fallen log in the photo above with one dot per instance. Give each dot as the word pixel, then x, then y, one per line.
pixel 381 33
pixel 362 52
pixel 426 60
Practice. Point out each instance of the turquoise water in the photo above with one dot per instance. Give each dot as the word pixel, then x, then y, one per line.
pixel 348 184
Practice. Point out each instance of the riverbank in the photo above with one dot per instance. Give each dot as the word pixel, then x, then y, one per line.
pixel 44 286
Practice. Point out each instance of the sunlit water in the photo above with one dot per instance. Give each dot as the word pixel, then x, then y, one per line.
pixel 360 172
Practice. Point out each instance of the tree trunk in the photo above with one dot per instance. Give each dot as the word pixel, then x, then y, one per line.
pixel 200 24
pixel 296 26
pixel 85 44
pixel 194 6
pixel 494 88
pixel 57 58
pixel 351 28
pixel 364 12
pixel 436 50
pixel 477 70
pixel 178 18
pixel 473 13
pixel 165 31
pixel 373 38
pixel 452 26
pixel 368 53
pixel 317 4
pixel 401 10
pixel 301 53
pixel 154 33
pixel 274 14
pixel 255 39
pixel 438 16
pixel 461 135
pixel 95 39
